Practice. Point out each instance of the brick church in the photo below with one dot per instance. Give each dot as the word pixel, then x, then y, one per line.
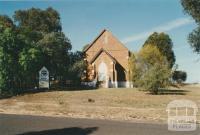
pixel 108 61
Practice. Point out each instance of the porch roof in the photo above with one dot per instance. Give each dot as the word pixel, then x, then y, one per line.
pixel 99 52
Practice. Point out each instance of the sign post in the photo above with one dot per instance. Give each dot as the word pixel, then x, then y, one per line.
pixel 44 78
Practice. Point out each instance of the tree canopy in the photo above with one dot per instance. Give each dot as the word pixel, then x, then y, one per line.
pixel 164 43
pixel 39 20
pixel 192 7
pixel 149 69
pixel 6 22
pixel 35 39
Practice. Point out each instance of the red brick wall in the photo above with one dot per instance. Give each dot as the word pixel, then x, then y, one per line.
pixel 113 46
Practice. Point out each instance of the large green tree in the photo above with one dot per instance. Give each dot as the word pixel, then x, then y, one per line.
pixel 33 40
pixel 42 31
pixel 192 7
pixel 164 43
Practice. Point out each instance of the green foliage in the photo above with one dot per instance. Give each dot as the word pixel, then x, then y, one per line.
pixel 6 22
pixel 192 7
pixel 39 20
pixel 55 47
pixel 132 68
pixel 149 69
pixel 151 54
pixel 156 77
pixel 77 67
pixel 194 40
pixel 46 44
pixel 163 42
pixel 179 76
pixel 29 59
pixel 9 49
pixel 33 41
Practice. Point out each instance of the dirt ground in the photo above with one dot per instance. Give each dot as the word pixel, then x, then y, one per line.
pixel 115 104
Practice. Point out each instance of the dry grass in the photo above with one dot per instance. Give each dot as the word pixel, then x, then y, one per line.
pixel 119 104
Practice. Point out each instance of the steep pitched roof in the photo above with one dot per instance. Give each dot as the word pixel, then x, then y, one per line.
pixel 99 37
pixel 94 41
pixel 99 52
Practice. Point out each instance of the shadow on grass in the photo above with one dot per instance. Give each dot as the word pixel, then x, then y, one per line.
pixel 64 131
pixel 172 92
pixel 33 91
pixel 169 92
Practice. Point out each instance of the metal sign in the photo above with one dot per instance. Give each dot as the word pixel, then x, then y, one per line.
pixel 44 78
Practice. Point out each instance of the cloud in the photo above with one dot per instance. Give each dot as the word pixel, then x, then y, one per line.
pixel 162 28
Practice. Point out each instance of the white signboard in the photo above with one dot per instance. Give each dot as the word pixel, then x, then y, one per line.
pixel 44 78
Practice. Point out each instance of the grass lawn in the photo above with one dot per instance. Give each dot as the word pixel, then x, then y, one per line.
pixel 116 104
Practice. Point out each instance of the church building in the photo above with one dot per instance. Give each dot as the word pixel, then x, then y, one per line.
pixel 108 61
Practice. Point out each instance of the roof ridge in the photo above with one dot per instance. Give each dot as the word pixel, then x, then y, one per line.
pixel 104 30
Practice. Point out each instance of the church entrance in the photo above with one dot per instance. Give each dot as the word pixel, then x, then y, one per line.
pixel 121 77
pixel 102 75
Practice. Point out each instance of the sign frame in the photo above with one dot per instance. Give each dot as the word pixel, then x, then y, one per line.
pixel 44 78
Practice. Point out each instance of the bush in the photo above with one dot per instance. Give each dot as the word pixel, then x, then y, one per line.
pixel 149 69
pixel 156 77
pixel 179 76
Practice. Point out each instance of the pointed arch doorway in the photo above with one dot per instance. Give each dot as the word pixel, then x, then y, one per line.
pixel 102 75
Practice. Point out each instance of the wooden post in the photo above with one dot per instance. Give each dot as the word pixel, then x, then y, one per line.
pixel 115 73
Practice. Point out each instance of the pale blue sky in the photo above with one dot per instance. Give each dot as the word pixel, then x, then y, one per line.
pixel 129 20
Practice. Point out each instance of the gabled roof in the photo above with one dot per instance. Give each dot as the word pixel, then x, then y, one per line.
pixel 94 41
pixel 99 52
pixel 98 38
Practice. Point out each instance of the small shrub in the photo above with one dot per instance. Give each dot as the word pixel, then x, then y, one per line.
pixel 155 78
pixel 179 76
pixel 91 100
